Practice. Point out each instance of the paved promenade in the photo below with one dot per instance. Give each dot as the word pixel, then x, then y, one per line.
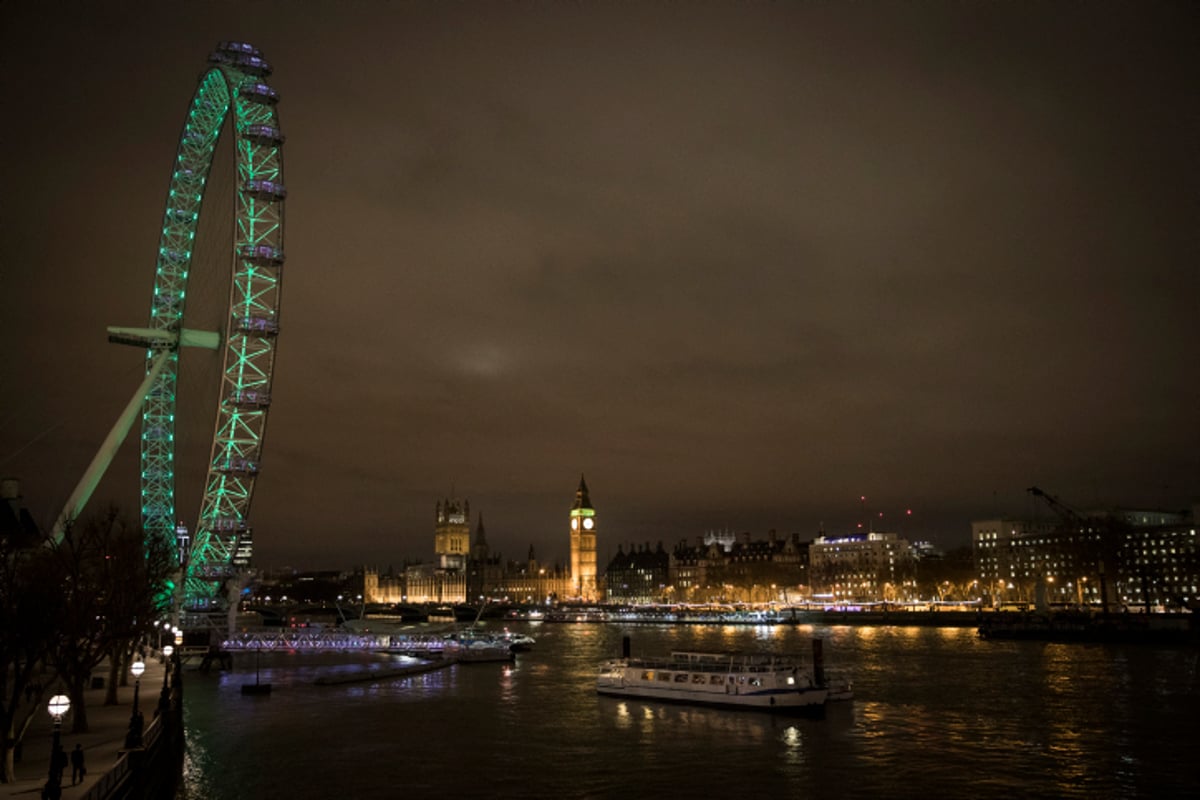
pixel 101 744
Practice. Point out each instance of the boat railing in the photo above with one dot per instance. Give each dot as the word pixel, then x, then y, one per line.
pixel 717 663
pixel 742 661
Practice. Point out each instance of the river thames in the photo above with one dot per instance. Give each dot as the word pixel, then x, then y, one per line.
pixel 937 712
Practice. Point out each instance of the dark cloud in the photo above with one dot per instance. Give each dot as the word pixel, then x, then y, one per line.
pixel 741 263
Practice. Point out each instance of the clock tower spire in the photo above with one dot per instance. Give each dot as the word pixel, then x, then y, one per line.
pixel 583 544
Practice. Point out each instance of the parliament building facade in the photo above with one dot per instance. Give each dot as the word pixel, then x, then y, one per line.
pixel 466 570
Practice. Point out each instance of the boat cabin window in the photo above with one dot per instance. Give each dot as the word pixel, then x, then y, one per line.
pixel 681 677
pixel 664 676
pixel 716 680
pixel 756 681
pixel 648 675
pixel 697 678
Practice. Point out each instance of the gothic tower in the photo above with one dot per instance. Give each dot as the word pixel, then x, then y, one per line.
pixel 583 545
pixel 480 550
pixel 452 534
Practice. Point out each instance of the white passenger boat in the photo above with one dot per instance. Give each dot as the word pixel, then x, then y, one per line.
pixel 510 639
pixel 517 642
pixel 733 680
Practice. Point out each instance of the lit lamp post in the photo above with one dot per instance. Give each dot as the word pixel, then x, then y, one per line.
pixel 134 737
pixel 164 699
pixel 58 706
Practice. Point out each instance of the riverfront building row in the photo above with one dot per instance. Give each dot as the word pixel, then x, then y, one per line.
pixel 1125 558
pixel 721 568
pixel 718 567
pixel 1115 558
pixel 1131 559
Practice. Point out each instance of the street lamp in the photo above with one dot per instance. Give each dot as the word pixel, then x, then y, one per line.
pixel 58 706
pixel 134 737
pixel 164 699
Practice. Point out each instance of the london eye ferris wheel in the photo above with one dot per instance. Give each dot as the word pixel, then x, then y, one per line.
pixel 214 549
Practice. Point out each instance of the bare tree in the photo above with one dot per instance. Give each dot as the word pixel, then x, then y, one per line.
pixel 25 589
pixel 136 594
pixel 948 577
pixel 112 586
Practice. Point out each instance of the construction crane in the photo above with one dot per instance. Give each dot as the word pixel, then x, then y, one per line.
pixel 1060 508
pixel 1105 530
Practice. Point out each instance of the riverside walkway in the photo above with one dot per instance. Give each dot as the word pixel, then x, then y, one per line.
pixel 102 744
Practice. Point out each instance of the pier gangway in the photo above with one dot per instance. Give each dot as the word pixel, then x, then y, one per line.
pixel 302 640
pixel 311 640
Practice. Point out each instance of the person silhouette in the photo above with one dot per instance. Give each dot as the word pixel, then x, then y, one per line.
pixel 78 770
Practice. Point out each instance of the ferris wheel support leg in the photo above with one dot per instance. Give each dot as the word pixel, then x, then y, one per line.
pixel 95 471
pixel 233 594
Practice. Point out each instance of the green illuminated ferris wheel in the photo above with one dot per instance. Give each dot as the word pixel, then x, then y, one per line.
pixel 217 546
pixel 236 80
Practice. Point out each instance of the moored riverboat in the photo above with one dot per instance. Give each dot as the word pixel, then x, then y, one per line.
pixel 731 680
pixel 517 642
pixel 479 650
pixel 504 643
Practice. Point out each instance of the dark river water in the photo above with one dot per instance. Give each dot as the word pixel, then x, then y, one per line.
pixel 938 713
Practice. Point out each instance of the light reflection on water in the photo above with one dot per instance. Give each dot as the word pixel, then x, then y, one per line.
pixel 936 710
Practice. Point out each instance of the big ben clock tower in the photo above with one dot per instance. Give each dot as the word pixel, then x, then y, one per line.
pixel 583 545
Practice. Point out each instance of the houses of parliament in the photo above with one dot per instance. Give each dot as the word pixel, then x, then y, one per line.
pixel 464 570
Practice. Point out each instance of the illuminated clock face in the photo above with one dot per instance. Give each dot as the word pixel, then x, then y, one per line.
pixel 587 523
pixel 574 523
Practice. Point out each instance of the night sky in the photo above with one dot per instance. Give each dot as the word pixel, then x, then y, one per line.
pixel 740 263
